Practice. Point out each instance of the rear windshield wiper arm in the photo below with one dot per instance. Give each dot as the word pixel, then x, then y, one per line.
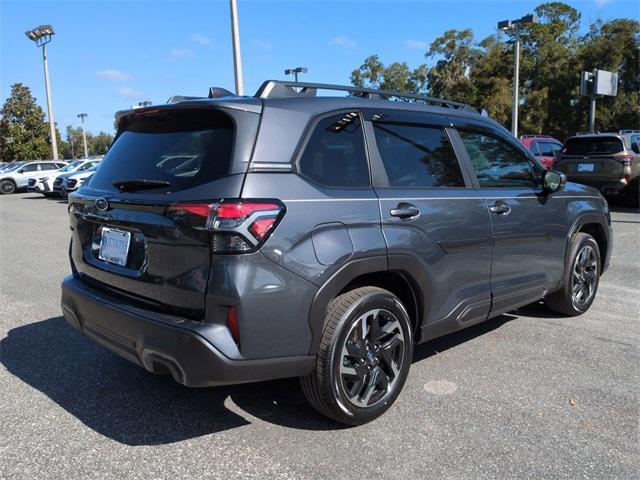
pixel 141 184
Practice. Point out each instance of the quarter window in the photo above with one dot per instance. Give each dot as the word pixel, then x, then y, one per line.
pixel 335 155
pixel 417 156
pixel 499 164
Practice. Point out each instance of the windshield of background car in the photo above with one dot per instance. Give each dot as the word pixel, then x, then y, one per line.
pixel 593 146
pixel 13 168
pixel 71 166
pixel 185 148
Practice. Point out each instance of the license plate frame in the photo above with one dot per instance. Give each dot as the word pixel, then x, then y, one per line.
pixel 114 246
pixel 586 167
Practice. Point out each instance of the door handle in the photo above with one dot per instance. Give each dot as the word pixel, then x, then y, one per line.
pixel 404 210
pixel 501 208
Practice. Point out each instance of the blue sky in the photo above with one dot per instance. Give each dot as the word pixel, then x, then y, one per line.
pixel 107 56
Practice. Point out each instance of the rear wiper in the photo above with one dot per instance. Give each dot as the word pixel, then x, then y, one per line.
pixel 142 184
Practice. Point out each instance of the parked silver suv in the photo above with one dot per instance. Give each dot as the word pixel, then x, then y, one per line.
pixel 17 178
pixel 609 162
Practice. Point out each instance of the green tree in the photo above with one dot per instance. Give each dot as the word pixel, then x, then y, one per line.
pixel 456 56
pixel 614 46
pixel 24 134
pixel 397 76
pixel 100 143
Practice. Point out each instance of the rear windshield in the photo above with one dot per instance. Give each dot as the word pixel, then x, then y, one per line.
pixel 593 146
pixel 185 148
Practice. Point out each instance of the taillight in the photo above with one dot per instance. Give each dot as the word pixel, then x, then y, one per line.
pixel 237 226
pixel 626 159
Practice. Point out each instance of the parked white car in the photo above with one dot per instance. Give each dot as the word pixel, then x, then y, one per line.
pixel 75 181
pixel 17 177
pixel 44 183
pixel 60 179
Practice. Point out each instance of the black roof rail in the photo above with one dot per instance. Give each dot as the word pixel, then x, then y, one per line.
pixel 287 89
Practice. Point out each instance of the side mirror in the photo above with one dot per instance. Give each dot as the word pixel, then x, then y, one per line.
pixel 554 181
pixel 20 171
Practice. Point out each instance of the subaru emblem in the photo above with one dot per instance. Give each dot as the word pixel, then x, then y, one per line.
pixel 102 204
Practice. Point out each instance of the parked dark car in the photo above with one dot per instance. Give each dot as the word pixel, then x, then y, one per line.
pixel 609 162
pixel 237 239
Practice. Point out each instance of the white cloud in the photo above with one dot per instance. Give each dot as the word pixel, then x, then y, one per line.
pixel 113 74
pixel 343 41
pixel 262 44
pixel 419 44
pixel 180 53
pixel 130 92
pixel 200 38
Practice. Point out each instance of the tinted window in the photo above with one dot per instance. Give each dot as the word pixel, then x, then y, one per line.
pixel 593 146
pixel 498 163
pixel 185 148
pixel 334 155
pixel 417 156
pixel 32 167
pixel 534 148
pixel 48 166
pixel 549 149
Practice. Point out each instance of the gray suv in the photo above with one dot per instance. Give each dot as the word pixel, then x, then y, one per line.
pixel 239 239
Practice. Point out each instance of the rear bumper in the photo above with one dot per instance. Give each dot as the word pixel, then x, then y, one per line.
pixel 160 347
pixel 608 186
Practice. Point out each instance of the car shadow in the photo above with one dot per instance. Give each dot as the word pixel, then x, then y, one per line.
pixel 129 405
pixel 36 197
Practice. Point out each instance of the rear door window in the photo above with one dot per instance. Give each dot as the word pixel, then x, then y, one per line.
pixel 334 155
pixel 593 146
pixel 549 149
pixel 417 156
pixel 185 148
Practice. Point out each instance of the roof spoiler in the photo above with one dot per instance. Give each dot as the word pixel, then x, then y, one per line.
pixel 214 92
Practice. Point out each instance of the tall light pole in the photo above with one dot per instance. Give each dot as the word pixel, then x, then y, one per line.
pixel 42 35
pixel 82 116
pixel 235 38
pixel 513 26
pixel 295 71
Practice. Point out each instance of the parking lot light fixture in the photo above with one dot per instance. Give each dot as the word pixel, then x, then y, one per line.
pixel 513 26
pixel 295 71
pixel 42 35
pixel 82 116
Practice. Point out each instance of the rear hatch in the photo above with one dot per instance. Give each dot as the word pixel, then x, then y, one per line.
pixel 128 236
pixel 589 157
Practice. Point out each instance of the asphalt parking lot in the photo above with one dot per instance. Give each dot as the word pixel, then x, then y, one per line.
pixel 527 395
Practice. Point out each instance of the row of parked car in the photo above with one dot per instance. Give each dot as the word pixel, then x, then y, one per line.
pixel 609 161
pixel 52 178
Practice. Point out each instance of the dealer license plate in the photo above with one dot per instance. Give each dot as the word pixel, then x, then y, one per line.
pixel 114 246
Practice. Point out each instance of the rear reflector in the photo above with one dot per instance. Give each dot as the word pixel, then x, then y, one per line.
pixel 232 324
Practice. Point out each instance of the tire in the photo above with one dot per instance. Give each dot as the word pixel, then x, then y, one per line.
pixel 582 275
pixel 7 187
pixel 358 377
